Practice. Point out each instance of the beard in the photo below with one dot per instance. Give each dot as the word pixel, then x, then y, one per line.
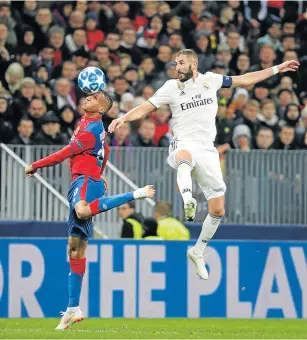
pixel 186 76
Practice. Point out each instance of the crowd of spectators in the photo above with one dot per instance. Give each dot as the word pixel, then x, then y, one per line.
pixel 44 45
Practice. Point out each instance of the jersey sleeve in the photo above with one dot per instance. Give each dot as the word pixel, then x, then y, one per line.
pixel 218 80
pixel 83 142
pixel 161 96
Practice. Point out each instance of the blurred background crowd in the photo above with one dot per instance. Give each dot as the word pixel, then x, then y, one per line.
pixel 44 45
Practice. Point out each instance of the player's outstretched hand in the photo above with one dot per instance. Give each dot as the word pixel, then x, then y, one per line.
pixel 29 171
pixel 116 123
pixel 291 65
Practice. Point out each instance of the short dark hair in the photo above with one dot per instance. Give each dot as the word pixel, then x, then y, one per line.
pixel 108 99
pixel 131 204
pixel 264 128
pixel 121 78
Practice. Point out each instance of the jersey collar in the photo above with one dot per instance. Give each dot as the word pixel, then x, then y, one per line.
pixel 191 81
pixel 91 119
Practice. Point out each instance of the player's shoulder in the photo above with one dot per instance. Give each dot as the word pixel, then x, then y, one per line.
pixel 171 83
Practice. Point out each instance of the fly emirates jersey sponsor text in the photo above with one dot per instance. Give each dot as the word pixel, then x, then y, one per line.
pixel 193 105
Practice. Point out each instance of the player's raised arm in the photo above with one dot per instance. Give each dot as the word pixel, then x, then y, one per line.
pixel 85 141
pixel 256 77
pixel 134 114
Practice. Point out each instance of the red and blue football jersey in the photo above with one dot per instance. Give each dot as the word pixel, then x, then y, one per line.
pixel 87 150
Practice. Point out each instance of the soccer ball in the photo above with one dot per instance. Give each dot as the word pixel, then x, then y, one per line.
pixel 91 80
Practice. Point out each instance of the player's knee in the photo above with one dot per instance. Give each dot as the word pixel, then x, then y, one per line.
pixel 218 211
pixel 75 252
pixel 82 211
pixel 183 155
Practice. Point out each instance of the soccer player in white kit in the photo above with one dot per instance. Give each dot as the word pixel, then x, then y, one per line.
pixel 192 99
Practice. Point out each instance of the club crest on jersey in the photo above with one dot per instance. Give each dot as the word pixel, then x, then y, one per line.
pixel 180 85
pixel 205 85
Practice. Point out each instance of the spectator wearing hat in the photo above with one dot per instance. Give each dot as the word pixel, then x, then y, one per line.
pixel 268 117
pixel 6 128
pixel 50 133
pixel 128 45
pixel 264 139
pixel 203 50
pixel 242 137
pixel 148 43
pixel 94 35
pixel 57 40
pixel 25 133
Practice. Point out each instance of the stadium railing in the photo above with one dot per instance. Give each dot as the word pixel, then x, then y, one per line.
pixel 263 187
pixel 45 198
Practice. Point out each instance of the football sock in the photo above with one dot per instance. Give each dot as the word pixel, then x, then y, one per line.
pixel 209 228
pixel 102 204
pixel 77 270
pixel 184 180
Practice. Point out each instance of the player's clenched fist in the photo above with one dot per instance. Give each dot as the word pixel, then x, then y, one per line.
pixel 116 123
pixel 29 171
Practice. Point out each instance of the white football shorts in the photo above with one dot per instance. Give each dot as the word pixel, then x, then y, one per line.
pixel 206 166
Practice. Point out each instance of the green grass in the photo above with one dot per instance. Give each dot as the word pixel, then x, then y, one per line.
pixel 155 329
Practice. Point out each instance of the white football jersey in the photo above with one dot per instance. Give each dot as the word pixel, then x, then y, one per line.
pixel 193 105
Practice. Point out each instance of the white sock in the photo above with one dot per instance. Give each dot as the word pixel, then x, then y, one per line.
pixel 73 309
pixel 184 180
pixel 209 228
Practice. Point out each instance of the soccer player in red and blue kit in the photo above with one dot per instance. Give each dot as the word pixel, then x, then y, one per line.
pixel 87 153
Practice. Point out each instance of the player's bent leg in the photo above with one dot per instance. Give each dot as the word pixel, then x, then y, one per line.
pixel 184 180
pixel 210 225
pixel 103 204
pixel 77 262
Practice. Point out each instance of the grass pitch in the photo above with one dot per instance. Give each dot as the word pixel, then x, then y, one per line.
pixel 155 329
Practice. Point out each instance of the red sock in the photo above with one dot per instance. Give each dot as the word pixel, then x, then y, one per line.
pixel 78 265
